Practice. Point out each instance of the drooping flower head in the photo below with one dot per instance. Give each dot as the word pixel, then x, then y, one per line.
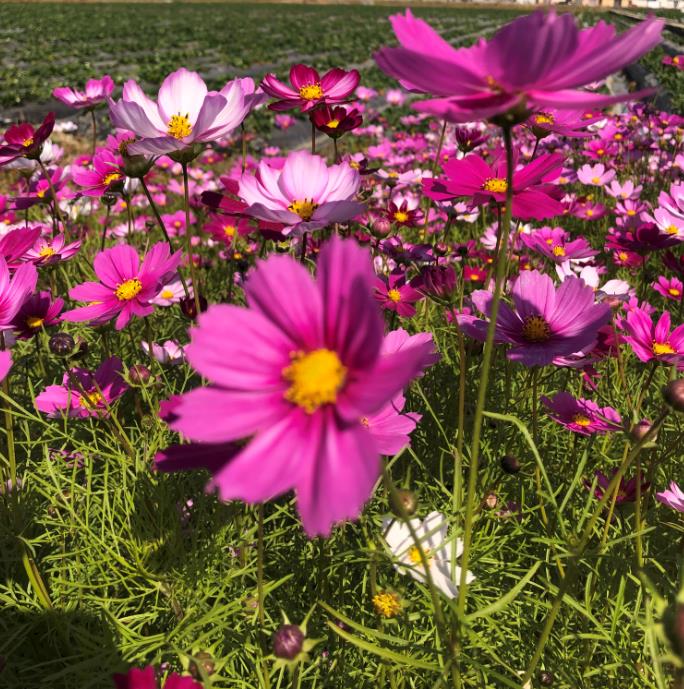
pixel 296 372
pixel 185 113
pixel 499 76
pixel 572 123
pixel 545 322
pixel 96 91
pixel 126 285
pixel 310 90
pixel 305 195
pixel 38 311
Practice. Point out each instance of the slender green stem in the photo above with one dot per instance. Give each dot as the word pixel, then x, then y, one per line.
pixel 260 591
pixel 94 121
pixel 313 137
pixel 55 205
pixel 105 228
pixel 501 268
pixel 188 238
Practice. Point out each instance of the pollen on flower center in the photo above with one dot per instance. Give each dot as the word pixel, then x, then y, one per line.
pixel 46 252
pixel 333 124
pixel 166 294
pixel 179 126
pixel 304 208
pixel 91 399
pixel 581 420
pixel 673 291
pixel 128 290
pixel 401 216
pixel 311 92
pixel 660 348
pixel 27 142
pixel 415 556
pixel 544 118
pixel 387 604
pixel 34 322
pixel 229 230
pixel 558 251
pixel 671 229
pixel 498 185
pixel 111 177
pixel 596 180
pixel 536 329
pixel 394 295
pixel 315 379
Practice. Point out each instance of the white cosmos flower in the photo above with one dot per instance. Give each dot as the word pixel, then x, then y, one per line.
pixel 432 535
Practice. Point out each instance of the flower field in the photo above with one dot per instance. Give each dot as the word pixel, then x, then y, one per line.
pixel 339 347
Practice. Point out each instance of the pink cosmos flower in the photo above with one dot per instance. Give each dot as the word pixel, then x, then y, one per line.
pixel 669 215
pixel 37 190
pixel 126 286
pixel 627 489
pixel 5 363
pixel 296 371
pixel 581 415
pixel 672 497
pixel 473 177
pixel 185 112
pixel 37 312
pixel 670 288
pixel 16 244
pixel 404 210
pixel 674 61
pixel 555 243
pixel 595 175
pixel 106 172
pixel 15 291
pixel 51 250
pixel 96 91
pixel 395 294
pixel 571 123
pixel 309 89
pixel 227 228
pixel 305 195
pixel 171 293
pixel 624 191
pixel 145 678
pixel 168 354
pixel 653 342
pixel 545 323
pixel 82 393
pixel 23 141
pixel 496 76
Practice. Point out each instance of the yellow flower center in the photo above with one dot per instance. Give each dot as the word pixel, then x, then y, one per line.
pixel 415 557
pixel 304 208
pixel 581 420
pixel 315 379
pixel 660 348
pixel 46 252
pixel 333 124
pixel 41 193
pixel 673 291
pixel 559 251
pixel 229 230
pixel 671 229
pixel 128 290
pixel 544 118
pixel 166 294
pixel 311 92
pixel 89 400
pixel 536 329
pixel 179 126
pixel 401 216
pixel 631 212
pixel 600 151
pixel 34 322
pixel 589 212
pixel 617 137
pixel 111 177
pixel 675 60
pixel 354 165
pixel 622 256
pixel 596 180
pixel 387 604
pixel 27 142
pixel 498 185
pixel 394 295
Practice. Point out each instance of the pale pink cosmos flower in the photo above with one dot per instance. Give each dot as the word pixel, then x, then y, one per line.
pixel 185 112
pixel 626 190
pixel 595 175
pixel 170 353
pixel 672 497
pixel 305 195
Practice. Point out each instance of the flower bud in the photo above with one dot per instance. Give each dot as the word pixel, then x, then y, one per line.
pixel 288 641
pixel 405 499
pixel 640 429
pixel 546 678
pixel 673 393
pixel 673 624
pixel 491 500
pixel 61 344
pixel 510 464
pixel 139 374
pixel 108 199
pixel 202 661
pixel 136 167
pixel 189 308
pixel 381 227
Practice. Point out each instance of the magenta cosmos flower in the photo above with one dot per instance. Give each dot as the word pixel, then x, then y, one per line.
pixel 672 497
pixel 309 89
pixel 296 372
pixel 105 173
pixel 571 123
pixel 545 322
pixel 96 91
pixel 5 363
pixel 185 113
pixel 51 250
pixel 473 177
pixel 653 342
pixel 15 291
pixel 497 76
pixel 23 141
pixel 126 286
pixel 582 416
pixel 145 678
pixel 82 393
pixel 395 294
pixel 38 311
pixel 305 195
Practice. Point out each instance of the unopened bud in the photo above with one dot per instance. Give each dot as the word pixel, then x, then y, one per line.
pixel 673 393
pixel 202 661
pixel 404 501
pixel 61 344
pixel 288 641
pixel 640 429
pixel 510 464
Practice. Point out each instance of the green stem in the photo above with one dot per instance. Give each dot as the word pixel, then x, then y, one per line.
pixel 92 115
pixel 501 268
pixel 55 206
pixel 260 591
pixel 188 238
